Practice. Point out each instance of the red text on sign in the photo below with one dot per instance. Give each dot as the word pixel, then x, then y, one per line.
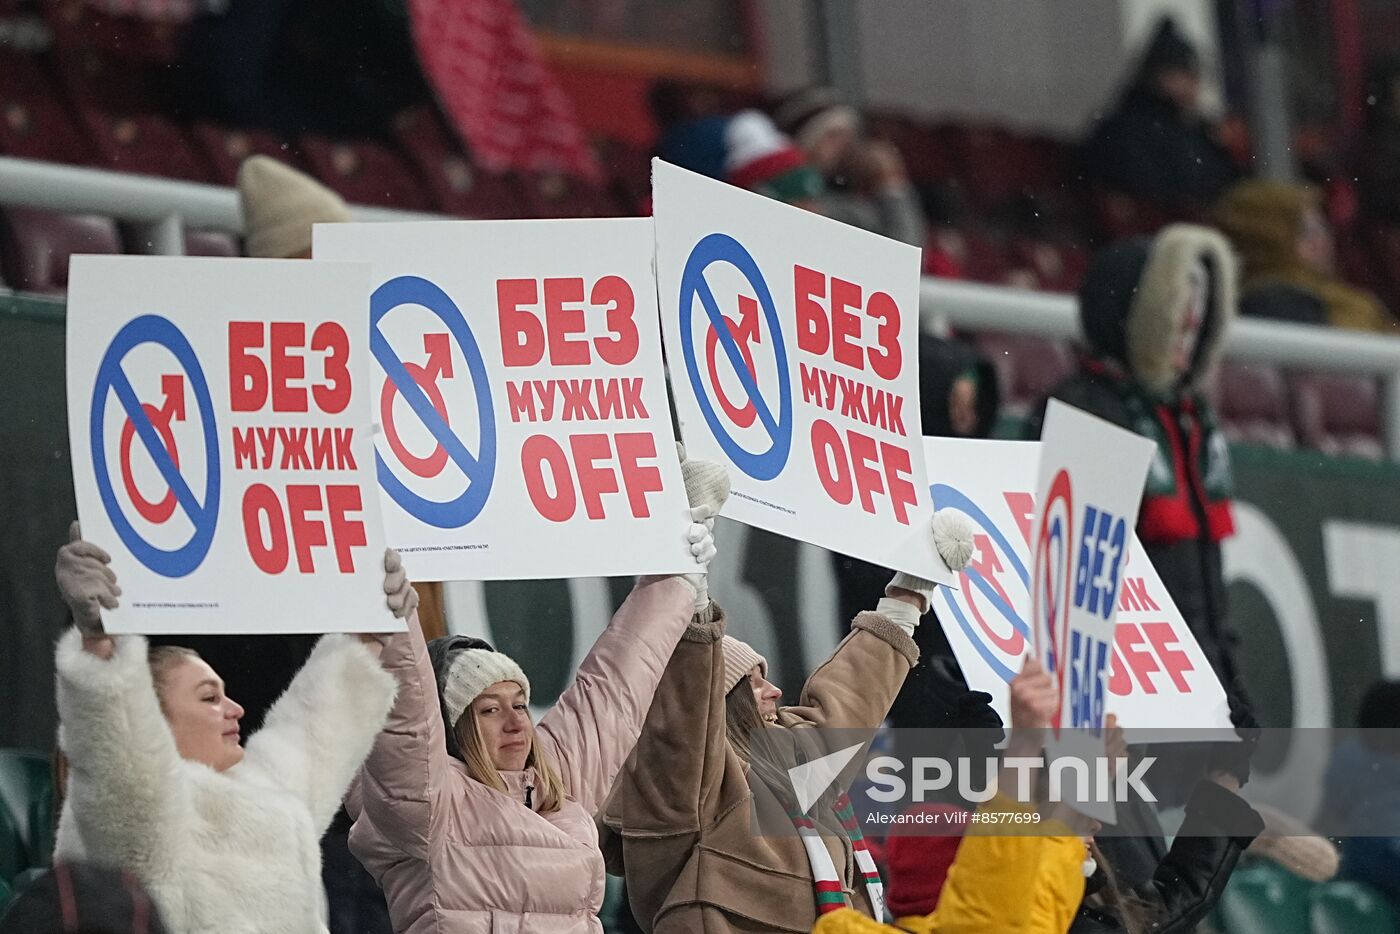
pixel 856 465
pixel 302 526
pixel 268 360
pixel 260 448
pixel 854 399
pixel 1143 655
pixel 528 332
pixel 575 400
pixel 829 320
pixel 589 469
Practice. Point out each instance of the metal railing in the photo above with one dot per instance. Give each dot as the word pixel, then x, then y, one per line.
pixel 996 308
pixel 160 209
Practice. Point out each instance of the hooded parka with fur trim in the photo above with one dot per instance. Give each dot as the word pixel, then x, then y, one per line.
pixel 1131 308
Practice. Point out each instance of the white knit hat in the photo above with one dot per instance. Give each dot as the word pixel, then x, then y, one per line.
pixel 473 671
pixel 739 659
pixel 279 206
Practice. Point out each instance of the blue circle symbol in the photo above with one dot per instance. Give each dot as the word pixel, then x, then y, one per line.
pixel 479 469
pixel 153 329
pixel 722 248
pixel 947 497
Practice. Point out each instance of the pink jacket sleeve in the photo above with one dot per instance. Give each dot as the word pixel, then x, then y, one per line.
pixel 403 781
pixel 596 722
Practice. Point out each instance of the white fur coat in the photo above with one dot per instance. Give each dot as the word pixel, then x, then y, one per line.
pixel 236 852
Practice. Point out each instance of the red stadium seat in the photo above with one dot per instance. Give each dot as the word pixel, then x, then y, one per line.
pixel 34 120
pixel 226 147
pixel 210 243
pixel 1338 415
pixel 1251 401
pixel 457 187
pixel 367 173
pixel 35 246
pixel 119 105
pixel 1028 368
pixel 629 172
pixel 553 194
pixel 77 24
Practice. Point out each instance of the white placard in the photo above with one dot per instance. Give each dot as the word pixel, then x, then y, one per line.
pixel 792 342
pixel 518 385
pixel 1159 679
pixel 218 412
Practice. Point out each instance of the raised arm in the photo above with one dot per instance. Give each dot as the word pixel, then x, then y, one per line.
pixel 593 728
pixel 125 793
pixel 661 811
pixel 126 796
pixel 595 724
pixel 405 776
pixel 320 730
pixel 854 688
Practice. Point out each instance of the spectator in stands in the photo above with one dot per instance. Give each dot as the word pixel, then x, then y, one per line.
pixel 1155 145
pixel 1154 313
pixel 472 817
pixel 867 184
pixel 691 119
pixel 82 899
pixel 1362 801
pixel 224 837
pixel 1283 237
pixel 1378 155
pixel 760 158
pixel 682 835
pixel 280 205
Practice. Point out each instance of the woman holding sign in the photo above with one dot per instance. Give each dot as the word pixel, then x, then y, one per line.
pixel 473 818
pixel 678 824
pixel 225 836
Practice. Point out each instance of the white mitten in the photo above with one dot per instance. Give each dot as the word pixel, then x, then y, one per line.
pixel 952 536
pixel 707 488
pixel 85 581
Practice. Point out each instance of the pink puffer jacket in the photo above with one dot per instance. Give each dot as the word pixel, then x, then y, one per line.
pixel 454 855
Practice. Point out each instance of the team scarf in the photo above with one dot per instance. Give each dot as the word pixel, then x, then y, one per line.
pixel 830 893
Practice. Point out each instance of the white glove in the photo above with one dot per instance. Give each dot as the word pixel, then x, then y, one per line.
pixel 707 488
pixel 399 593
pixel 85 581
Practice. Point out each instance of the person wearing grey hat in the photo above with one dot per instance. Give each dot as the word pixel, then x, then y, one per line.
pixel 866 182
pixel 472 816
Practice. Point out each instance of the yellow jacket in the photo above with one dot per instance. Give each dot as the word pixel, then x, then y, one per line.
pixel 999 884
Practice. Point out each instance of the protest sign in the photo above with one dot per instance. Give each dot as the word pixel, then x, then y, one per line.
pixel 218 413
pixel 520 390
pixel 1158 679
pixel 792 342
pixel 1088 489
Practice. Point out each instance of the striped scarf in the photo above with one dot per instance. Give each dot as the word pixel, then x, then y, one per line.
pixel 830 893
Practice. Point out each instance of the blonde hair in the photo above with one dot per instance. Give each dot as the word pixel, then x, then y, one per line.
pixel 164 659
pixel 480 767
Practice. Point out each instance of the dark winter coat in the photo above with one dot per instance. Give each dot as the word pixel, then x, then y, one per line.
pixel 1130 306
pixel 1219 826
pixel 1147 149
